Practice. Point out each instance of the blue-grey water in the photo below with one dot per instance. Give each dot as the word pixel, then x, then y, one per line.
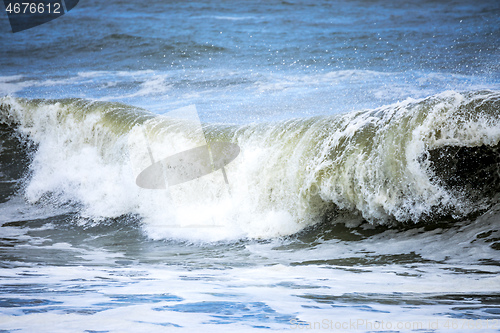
pixel 365 196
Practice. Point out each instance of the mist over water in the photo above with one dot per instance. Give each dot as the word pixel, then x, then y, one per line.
pixel 366 189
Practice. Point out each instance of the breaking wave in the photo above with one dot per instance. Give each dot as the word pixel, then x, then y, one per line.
pixel 414 161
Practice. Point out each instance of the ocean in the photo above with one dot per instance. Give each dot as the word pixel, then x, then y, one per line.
pixel 364 194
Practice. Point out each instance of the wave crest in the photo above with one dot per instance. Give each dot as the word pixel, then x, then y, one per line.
pixel 410 161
